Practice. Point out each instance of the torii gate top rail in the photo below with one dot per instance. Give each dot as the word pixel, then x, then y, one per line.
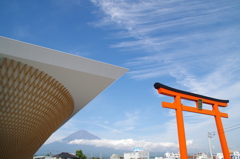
pixel 159 85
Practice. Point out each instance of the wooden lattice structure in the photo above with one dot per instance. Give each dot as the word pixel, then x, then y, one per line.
pixel 32 106
pixel 199 99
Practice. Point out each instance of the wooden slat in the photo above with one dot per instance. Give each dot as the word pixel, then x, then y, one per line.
pixel 33 106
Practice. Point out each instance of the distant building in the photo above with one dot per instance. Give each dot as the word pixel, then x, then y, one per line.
pixel 171 155
pixel 138 153
pixel 235 155
pixel 219 156
pixel 116 156
pixel 201 155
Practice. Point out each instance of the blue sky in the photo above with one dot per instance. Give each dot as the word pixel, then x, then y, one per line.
pixel 188 45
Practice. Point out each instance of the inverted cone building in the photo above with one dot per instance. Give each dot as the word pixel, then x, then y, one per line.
pixel 41 89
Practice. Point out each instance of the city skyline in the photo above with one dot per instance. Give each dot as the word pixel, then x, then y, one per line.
pixel 191 46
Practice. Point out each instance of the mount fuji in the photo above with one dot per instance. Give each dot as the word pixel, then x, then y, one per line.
pixel 88 150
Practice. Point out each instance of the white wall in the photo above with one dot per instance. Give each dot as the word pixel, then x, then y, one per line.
pixel 137 155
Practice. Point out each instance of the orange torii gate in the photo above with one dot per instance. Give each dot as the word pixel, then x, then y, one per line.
pixel 199 99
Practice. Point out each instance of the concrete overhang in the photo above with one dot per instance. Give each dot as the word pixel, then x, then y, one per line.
pixel 84 78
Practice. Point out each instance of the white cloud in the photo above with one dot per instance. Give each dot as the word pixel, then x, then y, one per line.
pixel 129 144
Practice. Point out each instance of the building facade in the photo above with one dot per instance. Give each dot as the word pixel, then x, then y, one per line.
pixel 41 89
pixel 171 155
pixel 138 153
pixel 116 156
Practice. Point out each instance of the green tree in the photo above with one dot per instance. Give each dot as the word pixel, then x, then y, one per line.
pixel 80 154
pixel 94 158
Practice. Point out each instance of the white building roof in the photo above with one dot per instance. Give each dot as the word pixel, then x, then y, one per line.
pixel 84 78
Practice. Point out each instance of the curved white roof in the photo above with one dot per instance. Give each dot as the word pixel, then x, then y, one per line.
pixel 84 78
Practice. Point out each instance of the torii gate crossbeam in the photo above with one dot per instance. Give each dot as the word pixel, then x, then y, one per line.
pixel 199 99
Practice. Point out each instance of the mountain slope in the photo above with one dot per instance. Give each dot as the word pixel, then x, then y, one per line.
pixel 81 134
pixel 63 146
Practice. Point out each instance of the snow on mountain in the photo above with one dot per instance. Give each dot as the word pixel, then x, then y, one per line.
pixel 81 134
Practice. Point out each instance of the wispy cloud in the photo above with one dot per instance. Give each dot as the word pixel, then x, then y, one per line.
pixel 130 121
pixel 223 77
pixel 173 33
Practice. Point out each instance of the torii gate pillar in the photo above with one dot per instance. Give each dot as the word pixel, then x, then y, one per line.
pixel 199 99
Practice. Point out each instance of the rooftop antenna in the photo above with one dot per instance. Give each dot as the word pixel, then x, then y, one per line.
pixel 210 135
